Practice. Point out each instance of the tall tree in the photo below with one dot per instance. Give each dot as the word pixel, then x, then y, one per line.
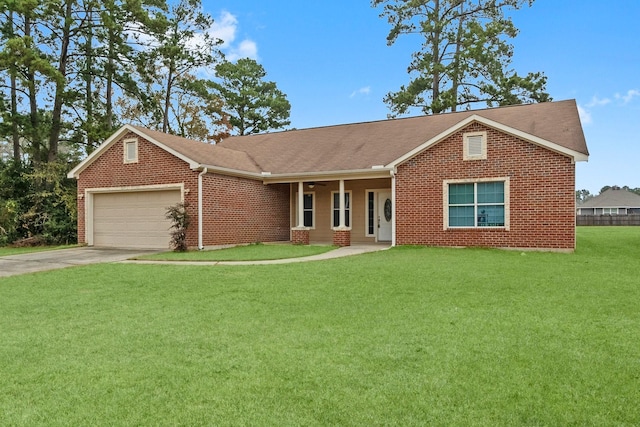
pixel 465 57
pixel 195 110
pixel 179 44
pixel 253 105
pixel 63 30
pixel 28 69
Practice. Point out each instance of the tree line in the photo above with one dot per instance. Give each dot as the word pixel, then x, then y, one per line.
pixel 73 71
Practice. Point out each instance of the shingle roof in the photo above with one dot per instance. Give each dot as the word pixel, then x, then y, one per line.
pixel 613 198
pixel 207 154
pixel 363 145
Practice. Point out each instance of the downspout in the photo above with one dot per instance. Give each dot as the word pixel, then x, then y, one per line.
pixel 200 175
pixel 393 206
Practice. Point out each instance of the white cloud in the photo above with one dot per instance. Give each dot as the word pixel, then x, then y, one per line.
pixel 246 49
pixel 362 91
pixel 224 28
pixel 628 97
pixel 585 115
pixel 598 102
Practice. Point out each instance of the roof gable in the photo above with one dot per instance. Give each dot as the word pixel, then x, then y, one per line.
pixel 475 118
pixel 613 198
pixel 109 142
pixel 195 154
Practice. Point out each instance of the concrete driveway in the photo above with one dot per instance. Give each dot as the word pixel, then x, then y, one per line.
pixel 51 260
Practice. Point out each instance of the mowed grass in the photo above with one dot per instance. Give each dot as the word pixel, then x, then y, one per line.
pixel 408 336
pixel 252 252
pixel 7 250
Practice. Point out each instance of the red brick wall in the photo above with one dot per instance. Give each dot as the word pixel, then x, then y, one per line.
pixel 300 237
pixel 541 185
pixel 342 237
pixel 236 210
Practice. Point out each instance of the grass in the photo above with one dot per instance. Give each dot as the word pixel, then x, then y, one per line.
pixel 7 250
pixel 243 253
pixel 408 336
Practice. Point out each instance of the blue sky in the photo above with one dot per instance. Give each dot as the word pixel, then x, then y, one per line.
pixel 332 61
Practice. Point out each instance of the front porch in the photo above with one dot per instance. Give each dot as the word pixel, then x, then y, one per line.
pixel 343 212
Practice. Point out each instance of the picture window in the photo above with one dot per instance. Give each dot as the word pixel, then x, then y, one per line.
pixel 476 204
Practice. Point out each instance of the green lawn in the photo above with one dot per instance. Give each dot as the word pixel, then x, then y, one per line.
pixel 243 253
pixel 6 250
pixel 407 336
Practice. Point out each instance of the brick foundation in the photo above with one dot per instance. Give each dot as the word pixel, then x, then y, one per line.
pixel 341 237
pixel 300 236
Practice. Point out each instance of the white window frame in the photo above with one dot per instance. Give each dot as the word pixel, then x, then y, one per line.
pixel 467 155
pixel 610 211
pixel 367 217
pixel 125 144
pixel 313 210
pixel 349 210
pixel 507 203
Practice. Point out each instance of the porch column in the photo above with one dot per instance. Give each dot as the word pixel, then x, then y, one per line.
pixel 300 204
pixel 341 204
pixel 342 233
pixel 300 233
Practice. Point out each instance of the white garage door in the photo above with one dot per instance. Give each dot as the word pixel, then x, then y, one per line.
pixel 133 219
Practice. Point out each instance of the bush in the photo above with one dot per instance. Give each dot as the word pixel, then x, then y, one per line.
pixel 37 201
pixel 179 224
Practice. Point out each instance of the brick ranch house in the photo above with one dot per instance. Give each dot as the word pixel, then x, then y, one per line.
pixel 500 177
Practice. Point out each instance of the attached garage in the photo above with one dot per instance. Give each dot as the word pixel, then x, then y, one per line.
pixel 134 219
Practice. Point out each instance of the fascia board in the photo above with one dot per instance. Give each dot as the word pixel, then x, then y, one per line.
pixel 575 155
pixel 329 175
pixel 432 141
pixel 192 163
pixel 75 172
pixel 228 171
pixel 270 178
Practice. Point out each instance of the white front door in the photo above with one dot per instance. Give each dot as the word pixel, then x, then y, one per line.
pixel 384 212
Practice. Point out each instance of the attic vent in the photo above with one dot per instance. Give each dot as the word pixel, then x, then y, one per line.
pixel 475 146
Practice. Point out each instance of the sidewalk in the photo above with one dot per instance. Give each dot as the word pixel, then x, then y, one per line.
pixel 336 253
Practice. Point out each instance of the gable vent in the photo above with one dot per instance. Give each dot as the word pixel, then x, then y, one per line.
pixel 475 146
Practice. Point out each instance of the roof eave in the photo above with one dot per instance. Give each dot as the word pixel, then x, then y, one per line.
pixel 370 173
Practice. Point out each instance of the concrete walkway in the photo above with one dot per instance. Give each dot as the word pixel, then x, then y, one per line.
pixel 336 253
pixel 12 265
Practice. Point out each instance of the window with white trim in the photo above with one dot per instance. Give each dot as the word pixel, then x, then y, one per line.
pixel 308 210
pixel 370 213
pixel 474 146
pixel 335 208
pixel 474 204
pixel 131 150
pixel 610 211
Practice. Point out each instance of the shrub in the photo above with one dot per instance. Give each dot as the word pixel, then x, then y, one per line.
pixel 179 224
